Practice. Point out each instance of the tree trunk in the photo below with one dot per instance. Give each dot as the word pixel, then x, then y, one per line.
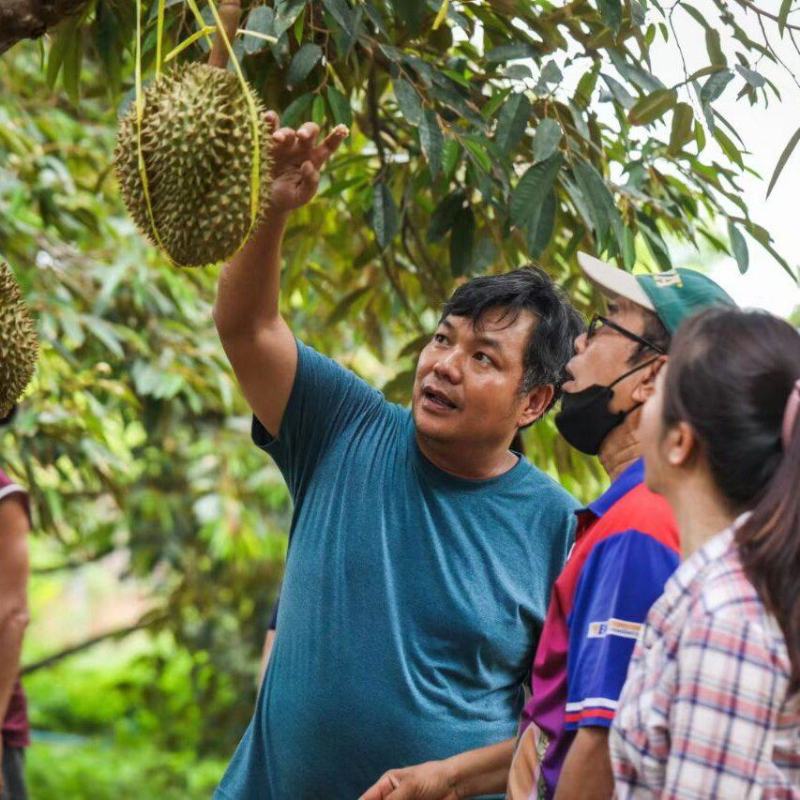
pixel 29 19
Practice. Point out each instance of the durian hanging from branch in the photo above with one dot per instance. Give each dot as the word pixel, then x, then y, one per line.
pixel 193 153
pixel 19 347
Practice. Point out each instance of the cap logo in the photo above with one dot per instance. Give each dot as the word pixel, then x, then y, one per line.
pixel 664 279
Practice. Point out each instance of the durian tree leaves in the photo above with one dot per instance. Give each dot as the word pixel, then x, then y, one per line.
pixel 304 60
pixel 385 219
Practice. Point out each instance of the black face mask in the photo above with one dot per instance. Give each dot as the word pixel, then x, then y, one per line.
pixel 585 419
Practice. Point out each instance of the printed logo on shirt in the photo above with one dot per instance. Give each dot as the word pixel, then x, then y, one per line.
pixel 614 627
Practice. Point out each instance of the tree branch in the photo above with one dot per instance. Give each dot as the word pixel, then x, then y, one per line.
pixel 117 633
pixel 30 19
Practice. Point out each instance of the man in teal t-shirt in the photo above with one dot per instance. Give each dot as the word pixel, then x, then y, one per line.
pixel 422 549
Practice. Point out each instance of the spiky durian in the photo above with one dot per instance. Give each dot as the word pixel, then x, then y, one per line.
pixel 197 145
pixel 19 346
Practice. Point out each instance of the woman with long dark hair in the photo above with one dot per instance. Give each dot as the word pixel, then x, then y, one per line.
pixel 711 707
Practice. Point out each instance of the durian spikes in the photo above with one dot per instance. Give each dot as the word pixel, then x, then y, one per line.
pixel 197 146
pixel 19 346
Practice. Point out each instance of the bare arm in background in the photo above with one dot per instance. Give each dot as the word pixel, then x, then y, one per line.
pixel 14 527
pixel 255 337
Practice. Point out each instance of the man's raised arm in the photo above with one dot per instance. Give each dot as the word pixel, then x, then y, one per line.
pixel 255 337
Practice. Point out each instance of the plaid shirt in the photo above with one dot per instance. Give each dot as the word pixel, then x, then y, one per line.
pixel 705 711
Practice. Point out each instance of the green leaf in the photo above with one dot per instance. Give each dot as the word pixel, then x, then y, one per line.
pixel 509 52
pixel 546 139
pixel 260 20
pixel 476 150
pixel 714 48
pixel 532 189
pixel 444 215
pixel 431 139
pixel 653 106
pixel 600 203
pixel 739 247
pixel 286 13
pixel 63 36
pixel 755 79
pixel 715 86
pixel 305 59
pixel 681 132
pixel 451 152
pixel 540 230
pixel 318 110
pixel 611 12
pixel 695 14
pixel 71 74
pixel 408 101
pixel 787 151
pixel 512 122
pixel 342 13
pixel 385 219
pixel 619 92
pixel 297 110
pixel 783 15
pixel 462 242
pixel 728 147
pixel 340 106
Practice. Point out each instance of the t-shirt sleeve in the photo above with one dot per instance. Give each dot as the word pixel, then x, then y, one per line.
pixel 622 577
pixel 326 399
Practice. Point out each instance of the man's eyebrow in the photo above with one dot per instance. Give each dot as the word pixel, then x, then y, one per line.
pixel 446 323
pixel 488 341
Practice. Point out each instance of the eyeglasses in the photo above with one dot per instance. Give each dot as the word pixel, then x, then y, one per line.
pixel 599 322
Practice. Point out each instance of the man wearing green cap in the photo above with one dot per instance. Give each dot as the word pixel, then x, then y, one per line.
pixel 626 547
pixel 627 541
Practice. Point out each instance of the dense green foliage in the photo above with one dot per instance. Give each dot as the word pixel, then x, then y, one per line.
pixel 484 135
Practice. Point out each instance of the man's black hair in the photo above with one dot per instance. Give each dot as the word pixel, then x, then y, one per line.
pixel 551 343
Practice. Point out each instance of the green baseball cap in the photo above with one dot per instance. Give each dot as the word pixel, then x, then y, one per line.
pixel 673 296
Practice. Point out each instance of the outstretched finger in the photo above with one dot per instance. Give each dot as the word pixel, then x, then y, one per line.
pixel 380 790
pixel 329 145
pixel 272 120
pixel 308 132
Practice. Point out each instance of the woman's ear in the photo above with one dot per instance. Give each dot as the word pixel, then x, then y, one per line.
pixel 680 444
pixel 647 380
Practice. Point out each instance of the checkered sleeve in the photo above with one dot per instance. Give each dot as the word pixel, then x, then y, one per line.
pixel 730 686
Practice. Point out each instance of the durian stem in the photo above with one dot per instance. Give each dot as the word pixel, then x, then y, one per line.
pixel 230 12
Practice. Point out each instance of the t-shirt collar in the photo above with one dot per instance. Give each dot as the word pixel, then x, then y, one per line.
pixel 629 479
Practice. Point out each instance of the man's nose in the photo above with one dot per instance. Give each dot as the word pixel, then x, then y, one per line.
pixel 448 367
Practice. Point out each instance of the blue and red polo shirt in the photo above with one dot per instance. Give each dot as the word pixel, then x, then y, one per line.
pixel 626 548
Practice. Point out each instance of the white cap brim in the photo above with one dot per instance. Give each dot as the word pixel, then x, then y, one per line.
pixel 613 281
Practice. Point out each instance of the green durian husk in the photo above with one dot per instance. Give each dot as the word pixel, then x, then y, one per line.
pixel 19 345
pixel 197 145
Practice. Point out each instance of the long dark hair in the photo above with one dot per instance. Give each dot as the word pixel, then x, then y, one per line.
pixel 730 376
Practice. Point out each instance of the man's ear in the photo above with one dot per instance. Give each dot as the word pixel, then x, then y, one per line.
pixel 647 380
pixel 538 401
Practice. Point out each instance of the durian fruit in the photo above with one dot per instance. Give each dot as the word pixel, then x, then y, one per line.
pixel 19 347
pixel 197 144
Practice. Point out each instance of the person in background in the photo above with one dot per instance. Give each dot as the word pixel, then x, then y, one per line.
pixel 14 528
pixel 711 706
pixel 627 540
pixel 422 549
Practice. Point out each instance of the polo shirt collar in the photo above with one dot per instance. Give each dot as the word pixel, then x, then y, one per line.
pixel 629 479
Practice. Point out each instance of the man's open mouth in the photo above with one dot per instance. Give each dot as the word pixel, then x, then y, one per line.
pixel 438 398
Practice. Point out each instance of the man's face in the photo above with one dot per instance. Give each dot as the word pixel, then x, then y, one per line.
pixel 467 386
pixel 603 358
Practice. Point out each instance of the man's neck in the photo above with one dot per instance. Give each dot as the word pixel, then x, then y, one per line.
pixel 472 463
pixel 621 447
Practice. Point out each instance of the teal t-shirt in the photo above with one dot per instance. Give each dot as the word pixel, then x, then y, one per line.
pixel 411 603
